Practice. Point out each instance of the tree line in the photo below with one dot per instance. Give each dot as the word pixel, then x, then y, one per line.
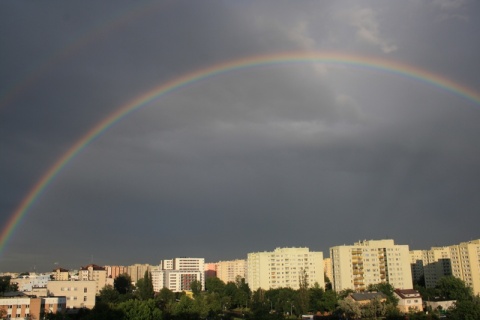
pixel 235 300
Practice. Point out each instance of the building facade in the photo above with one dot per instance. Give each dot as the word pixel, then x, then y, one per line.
pixel 370 262
pixel 78 294
pixel 137 271
pixel 408 300
pixel 21 308
pixel 114 271
pixel 461 261
pixel 284 267
pixel 229 271
pixel 92 272
pixel 178 274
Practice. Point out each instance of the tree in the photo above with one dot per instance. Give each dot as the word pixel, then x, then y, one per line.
pixel 452 288
pixel 6 285
pixel 196 287
pixel 214 284
pixel 316 295
pixel 165 299
pixel 109 295
pixel 303 292
pixel 376 308
pixel 140 310
pixel 349 308
pixel 387 289
pixel 145 287
pixel 123 284
pixel 466 310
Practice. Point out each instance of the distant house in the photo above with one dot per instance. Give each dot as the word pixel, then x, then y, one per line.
pixel 366 297
pixel 408 300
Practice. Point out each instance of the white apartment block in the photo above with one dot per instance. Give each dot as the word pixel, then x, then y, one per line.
pixel 228 271
pixel 461 260
pixel 284 267
pixel 177 274
pixel 370 262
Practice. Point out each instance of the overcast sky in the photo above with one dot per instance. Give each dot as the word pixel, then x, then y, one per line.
pixel 308 154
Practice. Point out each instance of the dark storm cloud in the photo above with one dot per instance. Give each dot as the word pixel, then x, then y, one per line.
pixel 287 155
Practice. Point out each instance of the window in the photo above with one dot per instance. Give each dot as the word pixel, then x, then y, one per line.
pixel 84 298
pixel 84 290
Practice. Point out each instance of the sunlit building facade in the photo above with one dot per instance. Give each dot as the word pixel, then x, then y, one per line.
pixel 229 271
pixel 370 262
pixel 461 261
pixel 284 267
pixel 178 274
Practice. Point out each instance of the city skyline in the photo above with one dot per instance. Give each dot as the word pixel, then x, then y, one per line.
pixel 161 129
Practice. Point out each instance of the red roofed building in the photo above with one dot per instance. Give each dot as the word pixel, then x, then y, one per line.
pixel 408 300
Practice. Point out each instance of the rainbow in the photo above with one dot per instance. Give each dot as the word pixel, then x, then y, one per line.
pixel 329 58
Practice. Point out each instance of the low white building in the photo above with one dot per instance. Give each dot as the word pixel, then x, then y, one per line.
pixel 408 300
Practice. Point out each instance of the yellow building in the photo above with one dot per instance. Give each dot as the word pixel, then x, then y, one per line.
pixel 60 274
pixel 284 267
pixel 92 272
pixel 228 271
pixel 78 294
pixel 370 262
pixel 327 267
pixel 461 260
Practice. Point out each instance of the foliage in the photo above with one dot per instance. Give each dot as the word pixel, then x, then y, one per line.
pixel 123 284
pixel 452 288
pixel 109 295
pixel 214 284
pixel 303 297
pixel 165 300
pixel 376 308
pixel 349 308
pixel 140 310
pixel 387 289
pixel 466 310
pixel 145 287
pixel 196 287
pixel 6 285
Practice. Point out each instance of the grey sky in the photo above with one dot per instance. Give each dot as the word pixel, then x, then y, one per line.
pixel 288 155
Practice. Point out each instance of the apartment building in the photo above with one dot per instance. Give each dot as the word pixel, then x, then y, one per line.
pixel 137 271
pixel 60 274
pixel 370 262
pixel 92 272
pixel 327 267
pixel 114 271
pixel 284 267
pixel 31 281
pixel 78 294
pixel 178 274
pixel 210 270
pixel 228 271
pixel 465 263
pixel 461 260
pixel 24 307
